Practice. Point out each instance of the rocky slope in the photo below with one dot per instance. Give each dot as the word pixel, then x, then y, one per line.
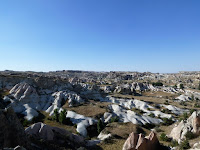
pixel 143 99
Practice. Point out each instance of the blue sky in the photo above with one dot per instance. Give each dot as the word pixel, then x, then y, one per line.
pixel 100 35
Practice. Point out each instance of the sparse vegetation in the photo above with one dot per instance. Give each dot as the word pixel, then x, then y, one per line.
pixel 56 115
pixel 114 119
pixel 100 125
pixel 184 116
pixel 152 115
pixel 166 102
pixel 62 116
pixel 175 86
pixel 138 111
pixel 174 143
pixel 189 135
pixel 184 145
pixel 181 86
pixel 192 110
pixel 26 123
pixel 148 126
pixel 192 97
pixel 165 110
pixel 167 121
pixel 183 103
pixel 163 137
pixel 157 83
pixel 197 105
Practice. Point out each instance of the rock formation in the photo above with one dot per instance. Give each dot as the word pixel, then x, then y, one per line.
pixel 81 121
pixel 55 135
pixel 139 142
pixel 192 124
pixel 25 100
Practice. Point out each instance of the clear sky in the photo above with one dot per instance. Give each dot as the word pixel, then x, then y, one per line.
pixel 100 35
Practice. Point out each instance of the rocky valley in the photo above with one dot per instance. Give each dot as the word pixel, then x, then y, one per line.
pixel 99 110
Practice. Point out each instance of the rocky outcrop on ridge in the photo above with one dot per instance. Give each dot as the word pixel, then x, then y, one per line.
pixel 139 142
pixel 25 100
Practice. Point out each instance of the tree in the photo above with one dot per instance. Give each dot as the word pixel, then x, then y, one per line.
pixel 184 145
pixel 157 83
pixel 192 97
pixel 181 86
pixel 100 126
pixel 62 117
pixel 175 86
pixel 163 137
pixel 56 115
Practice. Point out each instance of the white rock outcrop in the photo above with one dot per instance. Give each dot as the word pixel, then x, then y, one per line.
pixel 134 103
pixel 48 133
pixel 25 100
pixel 59 98
pixel 81 121
pixel 130 116
pixel 192 124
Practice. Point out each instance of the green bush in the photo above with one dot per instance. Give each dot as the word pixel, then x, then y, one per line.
pixel 157 129
pixel 56 115
pixel 26 123
pixel 183 103
pixel 163 137
pixel 166 102
pixel 157 83
pixel 167 121
pixel 100 126
pixel 174 143
pixel 181 86
pixel 114 119
pixel 192 110
pixel 183 117
pixel 189 135
pixel 148 126
pixel 184 145
pixel 152 115
pixel 62 117
pixel 196 105
pixel 192 97
pixel 167 111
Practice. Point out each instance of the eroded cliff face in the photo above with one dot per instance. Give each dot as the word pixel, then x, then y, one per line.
pixel 11 131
